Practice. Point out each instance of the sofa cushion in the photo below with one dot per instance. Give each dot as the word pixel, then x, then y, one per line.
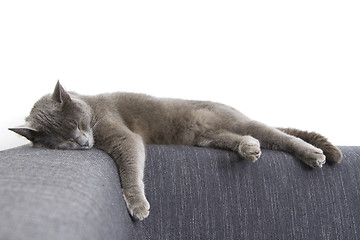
pixel 195 193
pixel 199 193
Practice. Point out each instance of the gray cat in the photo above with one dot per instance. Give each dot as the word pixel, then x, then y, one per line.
pixel 121 123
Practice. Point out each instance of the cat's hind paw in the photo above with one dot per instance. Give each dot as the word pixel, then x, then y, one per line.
pixel 314 158
pixel 250 149
pixel 317 160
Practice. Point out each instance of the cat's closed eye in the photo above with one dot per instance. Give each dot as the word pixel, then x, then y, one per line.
pixel 82 125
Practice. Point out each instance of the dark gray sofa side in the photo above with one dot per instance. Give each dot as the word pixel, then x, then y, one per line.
pixel 199 193
pixel 195 193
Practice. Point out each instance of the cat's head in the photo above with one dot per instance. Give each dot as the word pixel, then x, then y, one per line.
pixel 59 121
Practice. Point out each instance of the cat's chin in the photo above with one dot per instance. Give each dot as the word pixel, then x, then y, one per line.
pixel 87 147
pixel 72 148
pixel 82 148
pixel 91 144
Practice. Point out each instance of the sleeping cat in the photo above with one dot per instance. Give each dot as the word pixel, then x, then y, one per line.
pixel 121 123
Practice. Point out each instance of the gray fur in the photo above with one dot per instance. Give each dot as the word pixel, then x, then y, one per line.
pixel 121 123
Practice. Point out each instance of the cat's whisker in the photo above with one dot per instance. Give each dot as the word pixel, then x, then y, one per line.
pixel 96 122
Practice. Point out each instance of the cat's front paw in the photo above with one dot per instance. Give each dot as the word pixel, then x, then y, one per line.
pixel 140 211
pixel 250 148
pixel 137 205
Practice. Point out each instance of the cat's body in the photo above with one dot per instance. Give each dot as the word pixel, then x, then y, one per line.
pixel 121 123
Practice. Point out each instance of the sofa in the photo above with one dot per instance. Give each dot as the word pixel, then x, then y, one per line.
pixel 195 193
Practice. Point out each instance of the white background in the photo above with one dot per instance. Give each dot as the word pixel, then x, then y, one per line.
pixel 285 63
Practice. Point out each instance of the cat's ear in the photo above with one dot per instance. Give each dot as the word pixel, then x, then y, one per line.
pixel 27 132
pixel 60 95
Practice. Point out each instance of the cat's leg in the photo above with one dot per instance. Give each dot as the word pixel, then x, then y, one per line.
pixel 273 138
pixel 131 168
pixel 332 153
pixel 247 146
pixel 127 149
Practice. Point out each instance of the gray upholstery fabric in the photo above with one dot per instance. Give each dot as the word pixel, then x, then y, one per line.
pixel 195 193
pixel 198 193
pixel 50 194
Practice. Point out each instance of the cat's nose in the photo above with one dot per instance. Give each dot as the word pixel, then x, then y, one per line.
pixel 84 141
pixel 86 144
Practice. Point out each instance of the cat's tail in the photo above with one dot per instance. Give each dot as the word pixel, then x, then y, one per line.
pixel 332 153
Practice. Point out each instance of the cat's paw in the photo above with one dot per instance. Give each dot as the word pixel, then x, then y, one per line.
pixel 140 211
pixel 137 205
pixel 249 148
pixel 313 157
